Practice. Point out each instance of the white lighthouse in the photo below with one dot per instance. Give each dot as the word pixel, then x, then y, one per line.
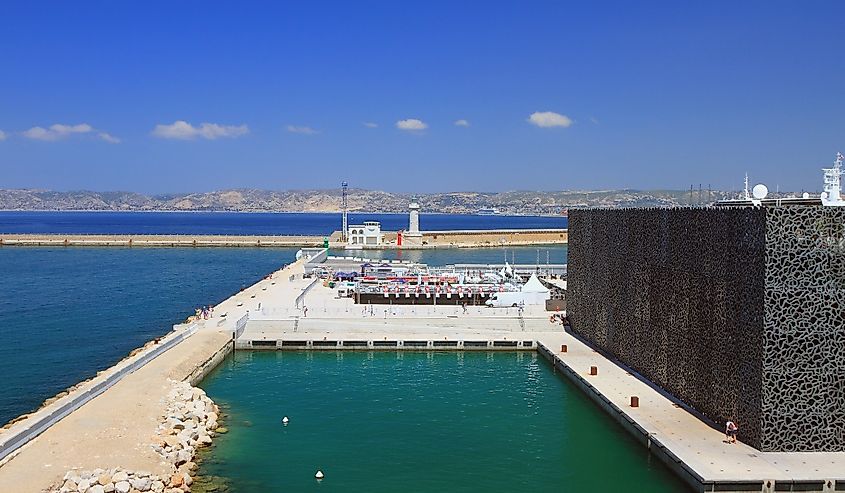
pixel 413 237
pixel 414 218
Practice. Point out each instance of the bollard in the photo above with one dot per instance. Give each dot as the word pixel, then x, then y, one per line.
pixel 635 401
pixel 563 348
pixel 594 370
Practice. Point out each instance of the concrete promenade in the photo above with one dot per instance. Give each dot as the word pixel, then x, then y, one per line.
pixel 690 447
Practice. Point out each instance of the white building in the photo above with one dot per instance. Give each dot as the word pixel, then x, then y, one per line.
pixel 367 234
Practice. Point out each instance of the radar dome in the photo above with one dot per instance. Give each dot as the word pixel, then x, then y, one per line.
pixel 760 191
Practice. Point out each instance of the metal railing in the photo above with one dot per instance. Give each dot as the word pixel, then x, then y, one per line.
pixel 240 325
pixel 301 297
pixel 63 407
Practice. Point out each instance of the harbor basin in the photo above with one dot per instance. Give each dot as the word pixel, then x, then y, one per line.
pixel 418 421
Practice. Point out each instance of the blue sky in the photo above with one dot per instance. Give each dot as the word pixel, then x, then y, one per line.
pixel 93 95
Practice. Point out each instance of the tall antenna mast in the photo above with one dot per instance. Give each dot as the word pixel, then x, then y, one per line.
pixel 343 206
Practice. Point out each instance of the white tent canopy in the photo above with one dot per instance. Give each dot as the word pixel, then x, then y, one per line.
pixel 533 285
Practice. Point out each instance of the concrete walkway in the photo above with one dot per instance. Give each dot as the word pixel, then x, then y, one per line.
pixel 698 448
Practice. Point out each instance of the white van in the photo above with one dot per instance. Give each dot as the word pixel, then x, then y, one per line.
pixel 506 299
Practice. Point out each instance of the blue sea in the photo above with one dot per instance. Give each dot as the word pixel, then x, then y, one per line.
pixel 66 313
pixel 258 223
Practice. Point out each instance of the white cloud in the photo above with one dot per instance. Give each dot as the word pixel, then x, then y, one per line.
pixel 111 139
pixel 2 135
pixel 296 129
pixel 548 119
pixel 370 125
pixel 595 120
pixel 183 130
pixel 461 123
pixel 57 131
pixel 411 124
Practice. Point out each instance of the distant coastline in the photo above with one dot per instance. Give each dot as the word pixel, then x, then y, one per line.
pixel 170 211
pixel 143 211
pixel 512 203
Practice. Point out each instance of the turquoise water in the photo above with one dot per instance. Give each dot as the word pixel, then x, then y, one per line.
pixel 421 422
pixel 66 313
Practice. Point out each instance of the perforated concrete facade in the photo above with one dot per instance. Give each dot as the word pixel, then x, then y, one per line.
pixel 727 309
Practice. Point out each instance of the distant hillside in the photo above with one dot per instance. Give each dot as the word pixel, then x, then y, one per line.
pixel 516 202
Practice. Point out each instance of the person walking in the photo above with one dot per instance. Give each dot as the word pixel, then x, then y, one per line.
pixel 731 430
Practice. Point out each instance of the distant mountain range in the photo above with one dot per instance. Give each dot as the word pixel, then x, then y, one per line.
pixel 359 200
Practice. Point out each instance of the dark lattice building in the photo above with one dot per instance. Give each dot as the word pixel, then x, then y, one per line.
pixel 739 312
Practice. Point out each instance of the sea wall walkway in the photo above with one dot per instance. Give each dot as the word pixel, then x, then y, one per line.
pixel 141 240
pixel 431 239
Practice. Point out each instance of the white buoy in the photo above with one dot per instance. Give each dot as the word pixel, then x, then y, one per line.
pixel 285 420
pixel 319 475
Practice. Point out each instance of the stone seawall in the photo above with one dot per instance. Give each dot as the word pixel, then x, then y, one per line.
pixel 202 370
pixel 430 239
pixel 159 240
pixel 494 238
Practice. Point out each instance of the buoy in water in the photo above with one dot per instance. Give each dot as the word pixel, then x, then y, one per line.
pixel 285 420
pixel 319 475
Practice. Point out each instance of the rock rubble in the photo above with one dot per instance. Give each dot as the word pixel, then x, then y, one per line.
pixel 114 480
pixel 189 423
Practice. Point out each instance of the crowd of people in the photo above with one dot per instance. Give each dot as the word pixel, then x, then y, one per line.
pixel 204 312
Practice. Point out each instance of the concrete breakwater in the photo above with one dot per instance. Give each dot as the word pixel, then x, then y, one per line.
pixel 430 239
pixel 159 240
pixel 495 238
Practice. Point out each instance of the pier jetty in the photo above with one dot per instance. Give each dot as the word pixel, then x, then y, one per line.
pixel 429 239
pixel 143 240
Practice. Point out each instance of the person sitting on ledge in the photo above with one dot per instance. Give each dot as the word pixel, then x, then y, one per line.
pixel 730 432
